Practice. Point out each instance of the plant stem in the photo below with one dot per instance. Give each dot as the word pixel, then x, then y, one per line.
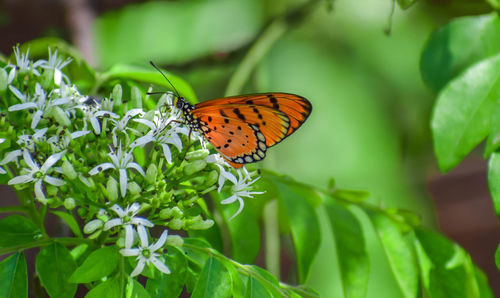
pixel 272 236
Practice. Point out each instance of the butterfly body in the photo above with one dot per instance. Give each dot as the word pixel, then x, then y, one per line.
pixel 242 127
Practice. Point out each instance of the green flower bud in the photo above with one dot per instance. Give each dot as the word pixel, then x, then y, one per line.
pixel 112 189
pixel 60 116
pixel 177 212
pixel 134 188
pixel 136 96
pixel 175 240
pixel 151 173
pixel 117 96
pixel 198 223
pixel 175 224
pixel 211 178
pixel 4 77
pixel 194 167
pixel 68 170
pixel 69 203
pixel 197 154
pixel 92 226
pixel 166 213
pixel 51 189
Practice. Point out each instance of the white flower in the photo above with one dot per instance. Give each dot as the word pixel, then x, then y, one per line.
pixel 39 103
pixel 121 125
pixel 56 64
pixel 224 174
pixel 2 171
pixel 38 174
pixel 24 64
pixel 59 143
pixel 121 161
pixel 241 189
pixel 147 253
pixel 29 141
pixel 127 218
pixel 161 134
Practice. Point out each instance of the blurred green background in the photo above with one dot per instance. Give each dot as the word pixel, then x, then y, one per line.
pixel 369 126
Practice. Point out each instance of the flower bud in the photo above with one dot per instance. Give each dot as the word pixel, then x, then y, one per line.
pixel 117 96
pixel 60 116
pixel 136 96
pixel 211 178
pixel 69 203
pixel 175 240
pixel 166 213
pixel 112 189
pixel 92 226
pixel 175 224
pixel 68 170
pixel 151 173
pixel 198 223
pixel 51 189
pixel 194 167
pixel 197 154
pixel 4 80
pixel 134 188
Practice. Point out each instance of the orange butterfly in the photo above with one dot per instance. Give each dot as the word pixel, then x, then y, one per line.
pixel 242 127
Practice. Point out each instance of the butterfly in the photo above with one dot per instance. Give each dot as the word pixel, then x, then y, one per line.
pixel 242 127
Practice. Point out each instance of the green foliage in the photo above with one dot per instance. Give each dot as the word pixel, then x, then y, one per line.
pixel 14 276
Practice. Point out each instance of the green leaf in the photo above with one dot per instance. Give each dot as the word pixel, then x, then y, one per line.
pixel 351 250
pixel 214 281
pixel 405 4
pixel 399 253
pixel 55 265
pixel 135 290
pixel 269 281
pixel 195 255
pixel 71 221
pixel 494 180
pixel 461 117
pixel 303 222
pixel 150 76
pixel 109 289
pixel 98 264
pixel 458 45
pixel 14 276
pixel 445 266
pixel 169 285
pixel 169 30
pixel 493 140
pixel 497 257
pixel 254 289
pixel 482 282
pixel 17 229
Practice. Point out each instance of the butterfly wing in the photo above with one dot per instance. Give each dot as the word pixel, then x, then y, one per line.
pixel 243 127
pixel 295 107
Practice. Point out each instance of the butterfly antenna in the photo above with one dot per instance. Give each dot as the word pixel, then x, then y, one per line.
pixel 158 69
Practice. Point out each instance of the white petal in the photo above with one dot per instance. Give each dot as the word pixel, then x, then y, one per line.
pixel 54 181
pixel 100 168
pixel 96 125
pixel 166 152
pixel 129 236
pixel 138 269
pixel 142 140
pixel 159 265
pixel 38 190
pixel 78 134
pixel 2 171
pixel 57 77
pixel 240 200
pixel 161 241
pixel 175 140
pixel 51 161
pixel 112 223
pixel 143 235
pixel 17 93
pixel 29 161
pixel 146 122
pixel 132 113
pixel 128 252
pixel 229 176
pixel 118 210
pixel 21 179
pixel 141 221
pixel 137 167
pixel 12 155
pixel 229 200
pixel 36 118
pixel 123 182
pixel 22 106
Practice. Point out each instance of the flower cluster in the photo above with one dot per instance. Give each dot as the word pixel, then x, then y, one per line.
pixel 108 156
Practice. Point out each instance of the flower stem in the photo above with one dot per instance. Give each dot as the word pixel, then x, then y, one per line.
pixel 272 238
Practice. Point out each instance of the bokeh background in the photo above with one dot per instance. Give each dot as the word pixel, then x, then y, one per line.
pixel 357 63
